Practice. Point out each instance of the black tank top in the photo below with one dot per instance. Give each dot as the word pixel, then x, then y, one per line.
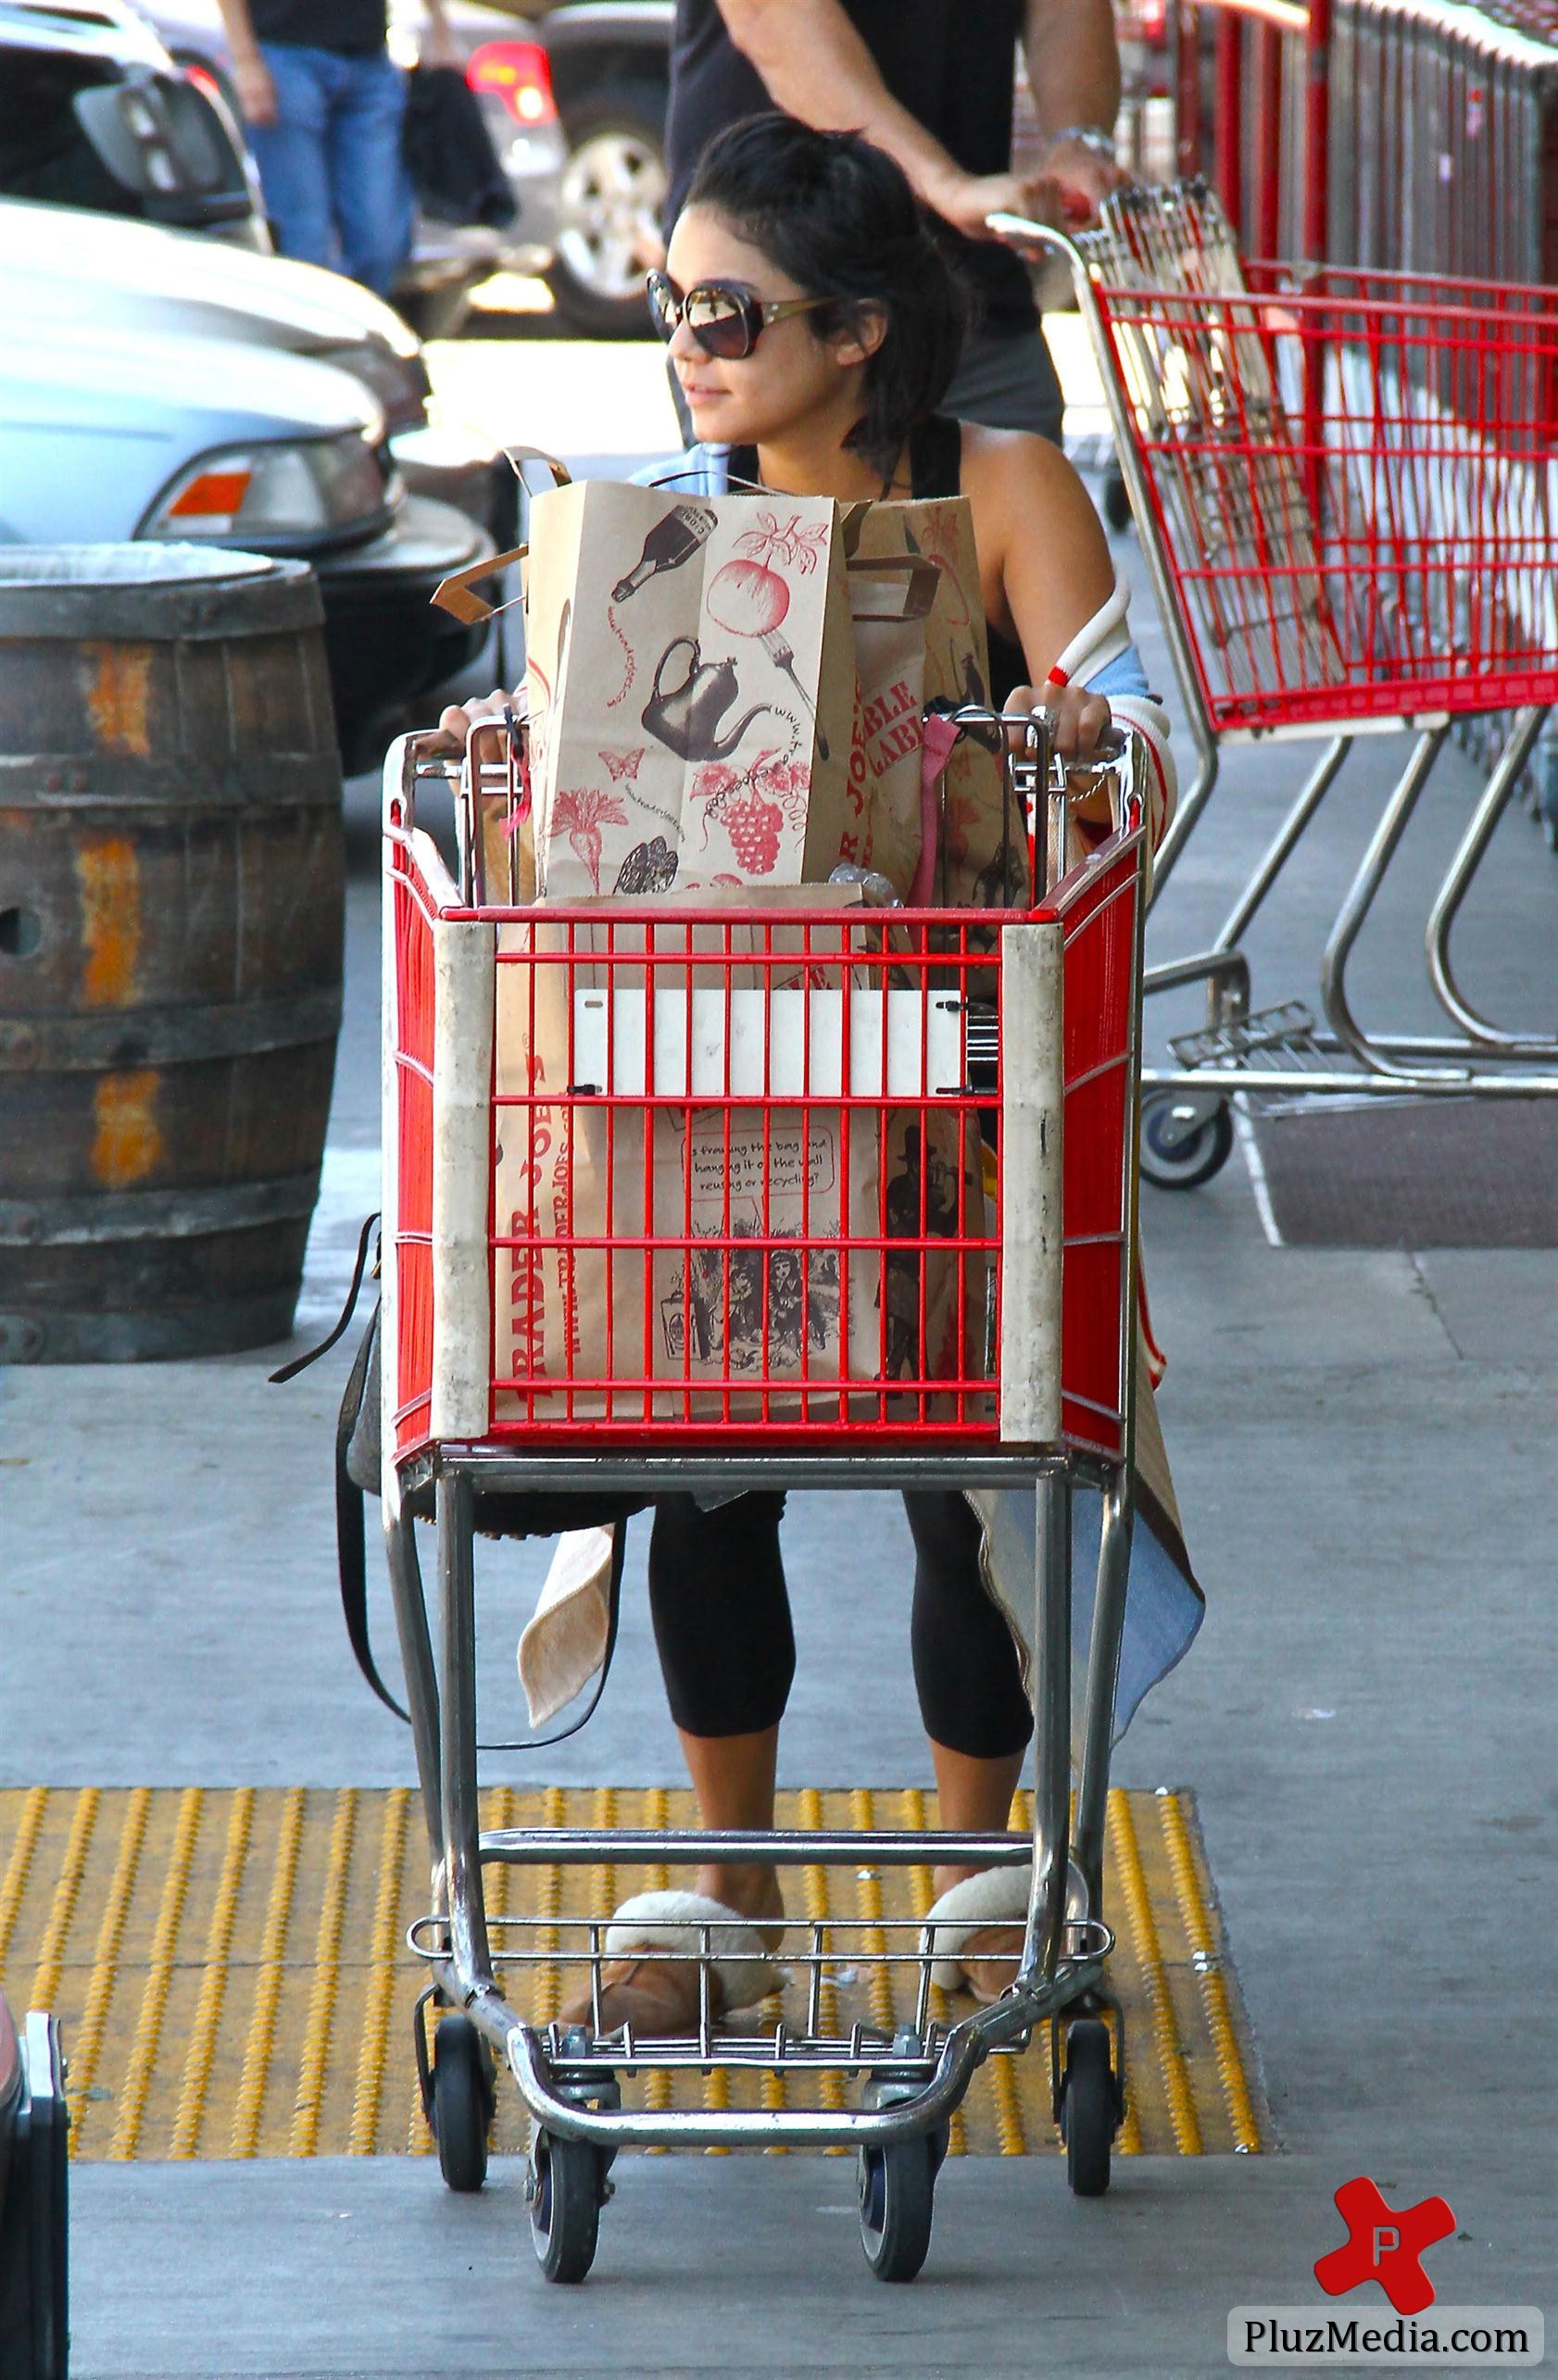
pixel 350 28
pixel 951 63
pixel 936 467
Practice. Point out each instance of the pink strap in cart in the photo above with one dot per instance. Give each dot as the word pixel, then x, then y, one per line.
pixel 940 734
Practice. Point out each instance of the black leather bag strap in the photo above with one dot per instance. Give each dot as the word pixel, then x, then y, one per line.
pixel 351 1538
pixel 301 1362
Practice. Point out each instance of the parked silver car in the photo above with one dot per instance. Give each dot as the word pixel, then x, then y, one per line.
pixel 110 431
pixel 60 265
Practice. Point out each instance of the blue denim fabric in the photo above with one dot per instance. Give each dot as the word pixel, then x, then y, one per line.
pixel 335 187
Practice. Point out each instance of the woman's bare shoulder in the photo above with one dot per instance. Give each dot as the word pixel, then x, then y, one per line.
pixel 1010 476
pixel 1012 462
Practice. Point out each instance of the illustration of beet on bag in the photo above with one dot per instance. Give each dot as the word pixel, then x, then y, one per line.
pixel 582 816
pixel 729 620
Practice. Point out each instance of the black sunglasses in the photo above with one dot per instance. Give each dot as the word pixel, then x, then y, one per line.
pixel 727 322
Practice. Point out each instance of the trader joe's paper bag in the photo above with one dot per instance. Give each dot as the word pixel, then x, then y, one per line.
pixel 750 1283
pixel 690 669
pixel 982 858
pixel 889 602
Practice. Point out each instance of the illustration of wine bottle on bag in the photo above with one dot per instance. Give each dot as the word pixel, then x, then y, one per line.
pixel 673 539
pixel 672 542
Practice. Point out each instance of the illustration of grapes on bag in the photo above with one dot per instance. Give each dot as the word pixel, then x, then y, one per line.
pixel 753 809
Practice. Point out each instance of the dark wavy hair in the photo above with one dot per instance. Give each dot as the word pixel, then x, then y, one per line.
pixel 838 215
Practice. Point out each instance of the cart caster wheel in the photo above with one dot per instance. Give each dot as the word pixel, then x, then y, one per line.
pixel 1175 1157
pixel 463 2102
pixel 897 2194
pixel 565 2193
pixel 1091 2107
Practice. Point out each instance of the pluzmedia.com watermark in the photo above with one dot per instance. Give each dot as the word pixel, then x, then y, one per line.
pixel 1384 2246
pixel 1505 2339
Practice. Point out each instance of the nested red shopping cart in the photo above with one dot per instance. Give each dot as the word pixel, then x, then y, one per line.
pixel 709 1199
pixel 1346 489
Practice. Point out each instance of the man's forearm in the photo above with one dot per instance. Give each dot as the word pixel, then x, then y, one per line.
pixel 1074 63
pixel 817 68
pixel 239 27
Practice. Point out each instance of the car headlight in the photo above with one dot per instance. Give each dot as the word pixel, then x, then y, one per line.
pixel 306 490
pixel 400 383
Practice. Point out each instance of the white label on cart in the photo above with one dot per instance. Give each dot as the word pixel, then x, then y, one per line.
pixel 783 1045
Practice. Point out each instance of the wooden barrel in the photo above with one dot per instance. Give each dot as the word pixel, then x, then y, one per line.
pixel 171 881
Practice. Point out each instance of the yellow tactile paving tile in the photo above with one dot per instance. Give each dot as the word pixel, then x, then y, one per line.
pixel 231 1968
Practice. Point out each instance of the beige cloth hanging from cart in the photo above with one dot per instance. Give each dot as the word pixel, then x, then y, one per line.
pixel 564 1643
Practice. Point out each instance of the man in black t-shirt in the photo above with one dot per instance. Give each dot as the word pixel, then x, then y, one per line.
pixel 930 81
pixel 325 106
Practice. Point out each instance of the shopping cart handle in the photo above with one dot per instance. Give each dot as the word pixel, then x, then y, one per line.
pixel 1021 231
pixel 1113 747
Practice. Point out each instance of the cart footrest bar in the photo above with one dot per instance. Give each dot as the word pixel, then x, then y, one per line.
pixel 547 1846
pixel 962 2052
pixel 755 2053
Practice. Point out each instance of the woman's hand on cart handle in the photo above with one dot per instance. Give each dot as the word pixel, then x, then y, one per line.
pixel 1075 720
pixel 456 722
pixel 1077 723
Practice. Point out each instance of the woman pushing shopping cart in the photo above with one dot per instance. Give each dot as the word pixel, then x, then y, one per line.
pixel 965 1307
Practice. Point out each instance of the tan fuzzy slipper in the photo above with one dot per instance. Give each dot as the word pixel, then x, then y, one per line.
pixel 660 1996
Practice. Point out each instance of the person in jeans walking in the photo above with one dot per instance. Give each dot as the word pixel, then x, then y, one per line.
pixel 324 106
pixel 931 82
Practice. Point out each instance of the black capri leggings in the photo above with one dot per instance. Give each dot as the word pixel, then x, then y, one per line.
pixel 721 1621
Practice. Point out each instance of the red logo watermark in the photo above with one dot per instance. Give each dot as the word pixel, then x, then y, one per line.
pixel 1384 2243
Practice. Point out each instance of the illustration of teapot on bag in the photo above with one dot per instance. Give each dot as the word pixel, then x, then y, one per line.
pixel 689 718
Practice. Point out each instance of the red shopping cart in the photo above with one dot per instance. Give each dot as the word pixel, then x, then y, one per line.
pixel 1345 489
pixel 705 1199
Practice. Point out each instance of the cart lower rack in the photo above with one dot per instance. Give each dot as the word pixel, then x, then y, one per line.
pixel 709 1200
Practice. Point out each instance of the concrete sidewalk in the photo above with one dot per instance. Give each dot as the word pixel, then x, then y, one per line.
pixel 1362 1443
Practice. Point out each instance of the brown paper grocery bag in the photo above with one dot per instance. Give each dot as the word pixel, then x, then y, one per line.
pixel 982 859
pixel 691 679
pixel 890 601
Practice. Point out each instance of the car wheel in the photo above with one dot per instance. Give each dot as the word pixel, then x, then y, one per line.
pixel 611 199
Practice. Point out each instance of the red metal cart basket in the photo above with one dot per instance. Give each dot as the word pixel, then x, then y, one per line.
pixel 711 1199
